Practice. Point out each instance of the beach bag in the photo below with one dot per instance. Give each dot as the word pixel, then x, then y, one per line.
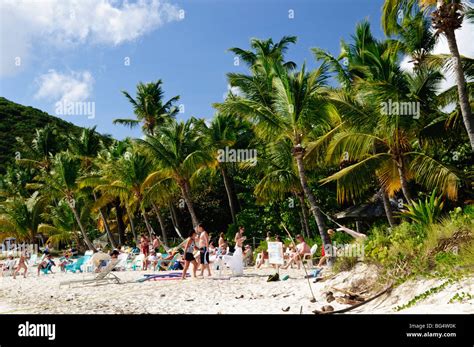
pixel 273 278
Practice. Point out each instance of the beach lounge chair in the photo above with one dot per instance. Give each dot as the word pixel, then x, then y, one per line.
pixel 122 261
pixel 47 269
pixel 104 277
pixel 165 264
pixel 77 266
pixel 137 263
pixel 33 260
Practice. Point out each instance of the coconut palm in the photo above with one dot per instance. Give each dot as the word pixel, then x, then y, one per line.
pixel 446 17
pixel 149 107
pixel 281 178
pixel 265 50
pixel 179 148
pixel 228 131
pixel 22 217
pixel 295 110
pixel 59 224
pixel 61 182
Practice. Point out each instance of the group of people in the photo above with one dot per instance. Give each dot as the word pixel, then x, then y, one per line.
pixel 294 254
pixel 11 265
pixel 199 241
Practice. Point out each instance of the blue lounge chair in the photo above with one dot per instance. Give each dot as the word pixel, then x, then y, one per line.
pixel 76 266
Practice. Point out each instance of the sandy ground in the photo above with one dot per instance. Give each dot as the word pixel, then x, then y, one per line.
pixel 248 294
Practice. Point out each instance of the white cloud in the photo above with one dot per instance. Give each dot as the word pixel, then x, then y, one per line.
pixel 72 87
pixel 465 40
pixel 68 22
pixel 232 90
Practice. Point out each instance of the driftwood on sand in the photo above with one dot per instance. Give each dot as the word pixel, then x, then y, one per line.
pixel 356 304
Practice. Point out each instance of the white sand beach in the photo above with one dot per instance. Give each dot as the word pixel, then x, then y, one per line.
pixel 248 294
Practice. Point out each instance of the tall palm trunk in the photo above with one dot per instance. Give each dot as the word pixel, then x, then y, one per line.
pixel 132 225
pixel 304 213
pixel 403 180
pixel 298 153
pixel 162 224
pixel 148 225
pixel 120 224
pixel 106 225
pixel 230 195
pixel 83 231
pixel 387 207
pixel 174 218
pixel 462 88
pixel 187 199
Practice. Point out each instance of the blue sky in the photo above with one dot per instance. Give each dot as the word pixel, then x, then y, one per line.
pixel 188 54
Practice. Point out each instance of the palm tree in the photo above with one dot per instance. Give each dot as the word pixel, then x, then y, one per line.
pixel 22 217
pixel 446 17
pixel 293 109
pixel 180 150
pixel 281 178
pixel 43 146
pixel 125 180
pixel 228 131
pixel 59 224
pixel 266 50
pixel 62 182
pixel 149 107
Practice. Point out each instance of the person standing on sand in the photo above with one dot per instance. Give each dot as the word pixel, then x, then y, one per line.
pixel 144 247
pixel 189 248
pixel 204 249
pixel 21 265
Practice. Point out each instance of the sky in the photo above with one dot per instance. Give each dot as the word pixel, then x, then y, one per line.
pixel 90 50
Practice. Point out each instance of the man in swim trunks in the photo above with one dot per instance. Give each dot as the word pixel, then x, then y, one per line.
pixel 204 249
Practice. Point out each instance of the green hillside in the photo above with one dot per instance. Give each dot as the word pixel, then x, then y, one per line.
pixel 22 121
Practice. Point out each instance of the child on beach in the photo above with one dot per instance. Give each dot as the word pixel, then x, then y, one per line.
pixel 9 265
pixel 189 248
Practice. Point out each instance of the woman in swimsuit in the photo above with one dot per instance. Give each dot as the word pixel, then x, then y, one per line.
pixel 189 248
pixel 145 248
pixel 21 265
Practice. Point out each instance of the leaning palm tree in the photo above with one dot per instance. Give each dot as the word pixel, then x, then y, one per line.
pixel 179 149
pixel 446 16
pixel 149 107
pixel 61 182
pixel 297 108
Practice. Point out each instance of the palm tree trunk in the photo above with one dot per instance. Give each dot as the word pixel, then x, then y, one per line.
pixel 403 181
pixel 83 231
pixel 174 218
pixel 228 188
pixel 462 89
pixel 120 224
pixel 304 212
pixel 132 225
pixel 298 154
pixel 106 225
pixel 187 199
pixel 387 207
pixel 148 225
pixel 162 224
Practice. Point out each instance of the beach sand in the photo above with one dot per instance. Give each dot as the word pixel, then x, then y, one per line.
pixel 248 294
